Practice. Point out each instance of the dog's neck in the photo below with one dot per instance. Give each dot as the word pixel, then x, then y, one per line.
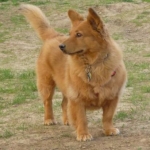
pixel 88 65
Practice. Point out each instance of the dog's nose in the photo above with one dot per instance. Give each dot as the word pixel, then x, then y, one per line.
pixel 62 46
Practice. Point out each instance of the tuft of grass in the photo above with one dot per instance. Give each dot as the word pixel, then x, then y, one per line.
pixel 6 134
pixel 2 106
pixel 145 89
pixel 28 74
pixel 21 85
pixel 147 55
pixel 19 99
pixel 16 2
pixel 67 135
pixel 4 36
pixel 4 6
pixel 43 2
pixel 136 98
pixel 121 115
pixel 17 20
pixel 22 127
pixel 57 104
pixel 3 0
pixel 64 30
pixel 6 74
pixel 28 86
pixel 146 0
pixel 117 36
pixel 6 89
pixel 142 18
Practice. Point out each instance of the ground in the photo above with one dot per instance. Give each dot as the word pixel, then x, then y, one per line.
pixel 21 123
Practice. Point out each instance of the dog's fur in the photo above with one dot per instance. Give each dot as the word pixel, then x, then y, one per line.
pixel 89 70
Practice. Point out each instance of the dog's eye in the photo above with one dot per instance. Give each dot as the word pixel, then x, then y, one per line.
pixel 78 34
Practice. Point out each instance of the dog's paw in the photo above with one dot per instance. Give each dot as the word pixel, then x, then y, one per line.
pixel 112 131
pixel 49 122
pixel 84 137
pixel 66 123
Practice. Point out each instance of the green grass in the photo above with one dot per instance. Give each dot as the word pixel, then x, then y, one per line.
pixel 65 30
pixel 17 19
pixel 16 88
pixel 22 127
pixel 4 36
pixel 142 18
pixel 6 134
pixel 147 55
pixel 64 5
pixel 117 36
pixel 145 89
pixel 19 99
pixel 21 85
pixel 6 74
pixel 136 72
pixel 29 74
pixel 121 115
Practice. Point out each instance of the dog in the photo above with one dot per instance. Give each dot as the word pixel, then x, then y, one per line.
pixel 87 66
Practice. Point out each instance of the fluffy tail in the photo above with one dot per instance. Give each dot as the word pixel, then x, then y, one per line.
pixel 38 21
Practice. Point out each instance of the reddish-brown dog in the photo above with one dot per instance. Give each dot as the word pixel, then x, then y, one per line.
pixel 87 67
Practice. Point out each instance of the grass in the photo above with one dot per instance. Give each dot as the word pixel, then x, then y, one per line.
pixel 21 85
pixel 22 127
pixel 16 89
pixel 122 115
pixel 142 18
pixel 145 89
pixel 117 36
pixel 17 19
pixel 6 134
pixel 4 36
pixel 65 4
pixel 6 74
pixel 64 30
pixel 18 92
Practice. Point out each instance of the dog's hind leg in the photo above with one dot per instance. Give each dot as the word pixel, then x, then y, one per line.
pixel 64 110
pixel 108 112
pixel 46 87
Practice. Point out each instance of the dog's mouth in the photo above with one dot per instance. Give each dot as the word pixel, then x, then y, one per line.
pixel 63 48
pixel 73 53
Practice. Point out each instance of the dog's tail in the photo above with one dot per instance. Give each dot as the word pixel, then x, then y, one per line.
pixel 38 21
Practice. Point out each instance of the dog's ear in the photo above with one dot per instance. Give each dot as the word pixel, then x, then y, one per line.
pixel 74 17
pixel 96 22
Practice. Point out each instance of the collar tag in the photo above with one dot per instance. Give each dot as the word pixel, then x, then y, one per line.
pixel 89 76
pixel 88 72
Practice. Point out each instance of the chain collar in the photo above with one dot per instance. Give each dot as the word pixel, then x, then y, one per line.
pixel 88 67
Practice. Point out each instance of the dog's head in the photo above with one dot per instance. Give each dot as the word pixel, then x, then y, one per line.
pixel 85 35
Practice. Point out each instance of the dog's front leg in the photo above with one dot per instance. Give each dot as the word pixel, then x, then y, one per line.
pixel 77 118
pixel 64 110
pixel 108 112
